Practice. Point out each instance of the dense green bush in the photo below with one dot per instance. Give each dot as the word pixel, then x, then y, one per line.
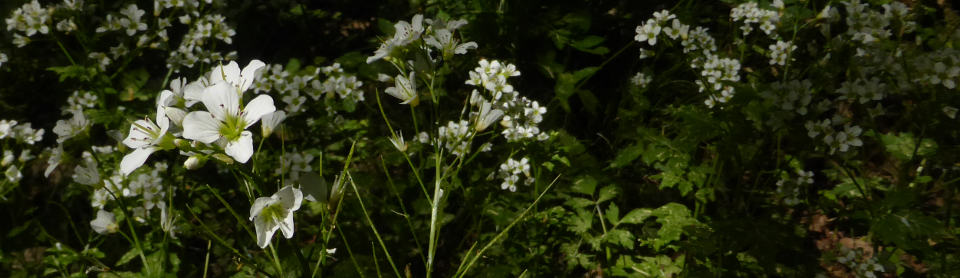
pixel 187 138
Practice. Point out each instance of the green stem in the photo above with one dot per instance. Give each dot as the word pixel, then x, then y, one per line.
pixel 372 227
pixel 479 254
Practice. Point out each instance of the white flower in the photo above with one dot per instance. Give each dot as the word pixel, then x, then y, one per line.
pixel 271 121
pixel 677 30
pixel 398 141
pixel 648 32
pixel 405 89
pixel 66 129
pixel 487 116
pixel 6 128
pixel 144 138
pixel 275 212
pixel 232 74
pixel 105 223
pixel 56 155
pixel 13 174
pixel 226 120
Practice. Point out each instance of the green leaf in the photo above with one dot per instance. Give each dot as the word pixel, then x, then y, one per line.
pixel 607 193
pixel 636 216
pixel 132 253
pixel 613 214
pixel 581 222
pixel 627 155
pixel 902 145
pixel 619 237
pixel 577 202
pixel 585 185
pixel 293 65
pixel 673 218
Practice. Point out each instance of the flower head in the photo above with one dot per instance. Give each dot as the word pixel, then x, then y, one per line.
pixel 275 212
pixel 226 119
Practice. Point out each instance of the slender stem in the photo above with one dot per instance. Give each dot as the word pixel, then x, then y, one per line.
pixel 474 258
pixel 206 261
pixel 276 260
pixel 432 248
pixel 372 227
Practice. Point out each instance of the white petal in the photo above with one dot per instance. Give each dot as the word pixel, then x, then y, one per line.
pixel 248 74
pixel 135 159
pixel 102 223
pixel 137 137
pixel 162 121
pixel 175 114
pixel 256 108
pixel 265 230
pixel 241 149
pixel 290 197
pixel 201 126
pixel 193 93
pixel 166 98
pixel 258 206
pixel 271 121
pixel 287 225
pixel 222 100
pixel 229 73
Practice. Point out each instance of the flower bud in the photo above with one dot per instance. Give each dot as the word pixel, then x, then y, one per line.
pixel 195 162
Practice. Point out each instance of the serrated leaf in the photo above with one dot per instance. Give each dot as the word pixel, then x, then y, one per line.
pixel 578 202
pixel 673 218
pixel 607 193
pixel 613 214
pixel 581 222
pixel 619 237
pixel 585 185
pixel 627 155
pixel 636 216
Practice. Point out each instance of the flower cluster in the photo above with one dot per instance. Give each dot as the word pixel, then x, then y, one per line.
pixel 641 80
pixel 29 19
pixel 438 35
pixel 789 188
pixel 780 51
pixel 510 172
pixel 856 260
pixel 293 88
pixel 10 164
pixel 715 71
pixel 945 68
pixel 520 116
pixel 862 90
pixel 222 126
pixel 295 163
pixel 840 140
pixel 456 137
pixel 751 13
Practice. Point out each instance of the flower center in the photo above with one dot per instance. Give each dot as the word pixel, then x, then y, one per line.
pixel 232 127
pixel 274 212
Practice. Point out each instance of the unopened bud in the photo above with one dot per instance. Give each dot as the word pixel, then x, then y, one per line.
pixel 194 162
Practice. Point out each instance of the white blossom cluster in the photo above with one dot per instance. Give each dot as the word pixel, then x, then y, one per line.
pixel 29 19
pixel 295 163
pixel 146 189
pixel 867 25
pixel 23 133
pixel 860 264
pixel 862 90
pixel 438 34
pixel 641 80
pixel 130 21
pixel 794 95
pixel 836 139
pixel 195 45
pixel 510 172
pixel 10 164
pixel 714 70
pixel 456 137
pixel 780 51
pixel 789 188
pixel 293 88
pixel 220 127
pixel 338 83
pixel 518 115
pixel 939 68
pixel 750 13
